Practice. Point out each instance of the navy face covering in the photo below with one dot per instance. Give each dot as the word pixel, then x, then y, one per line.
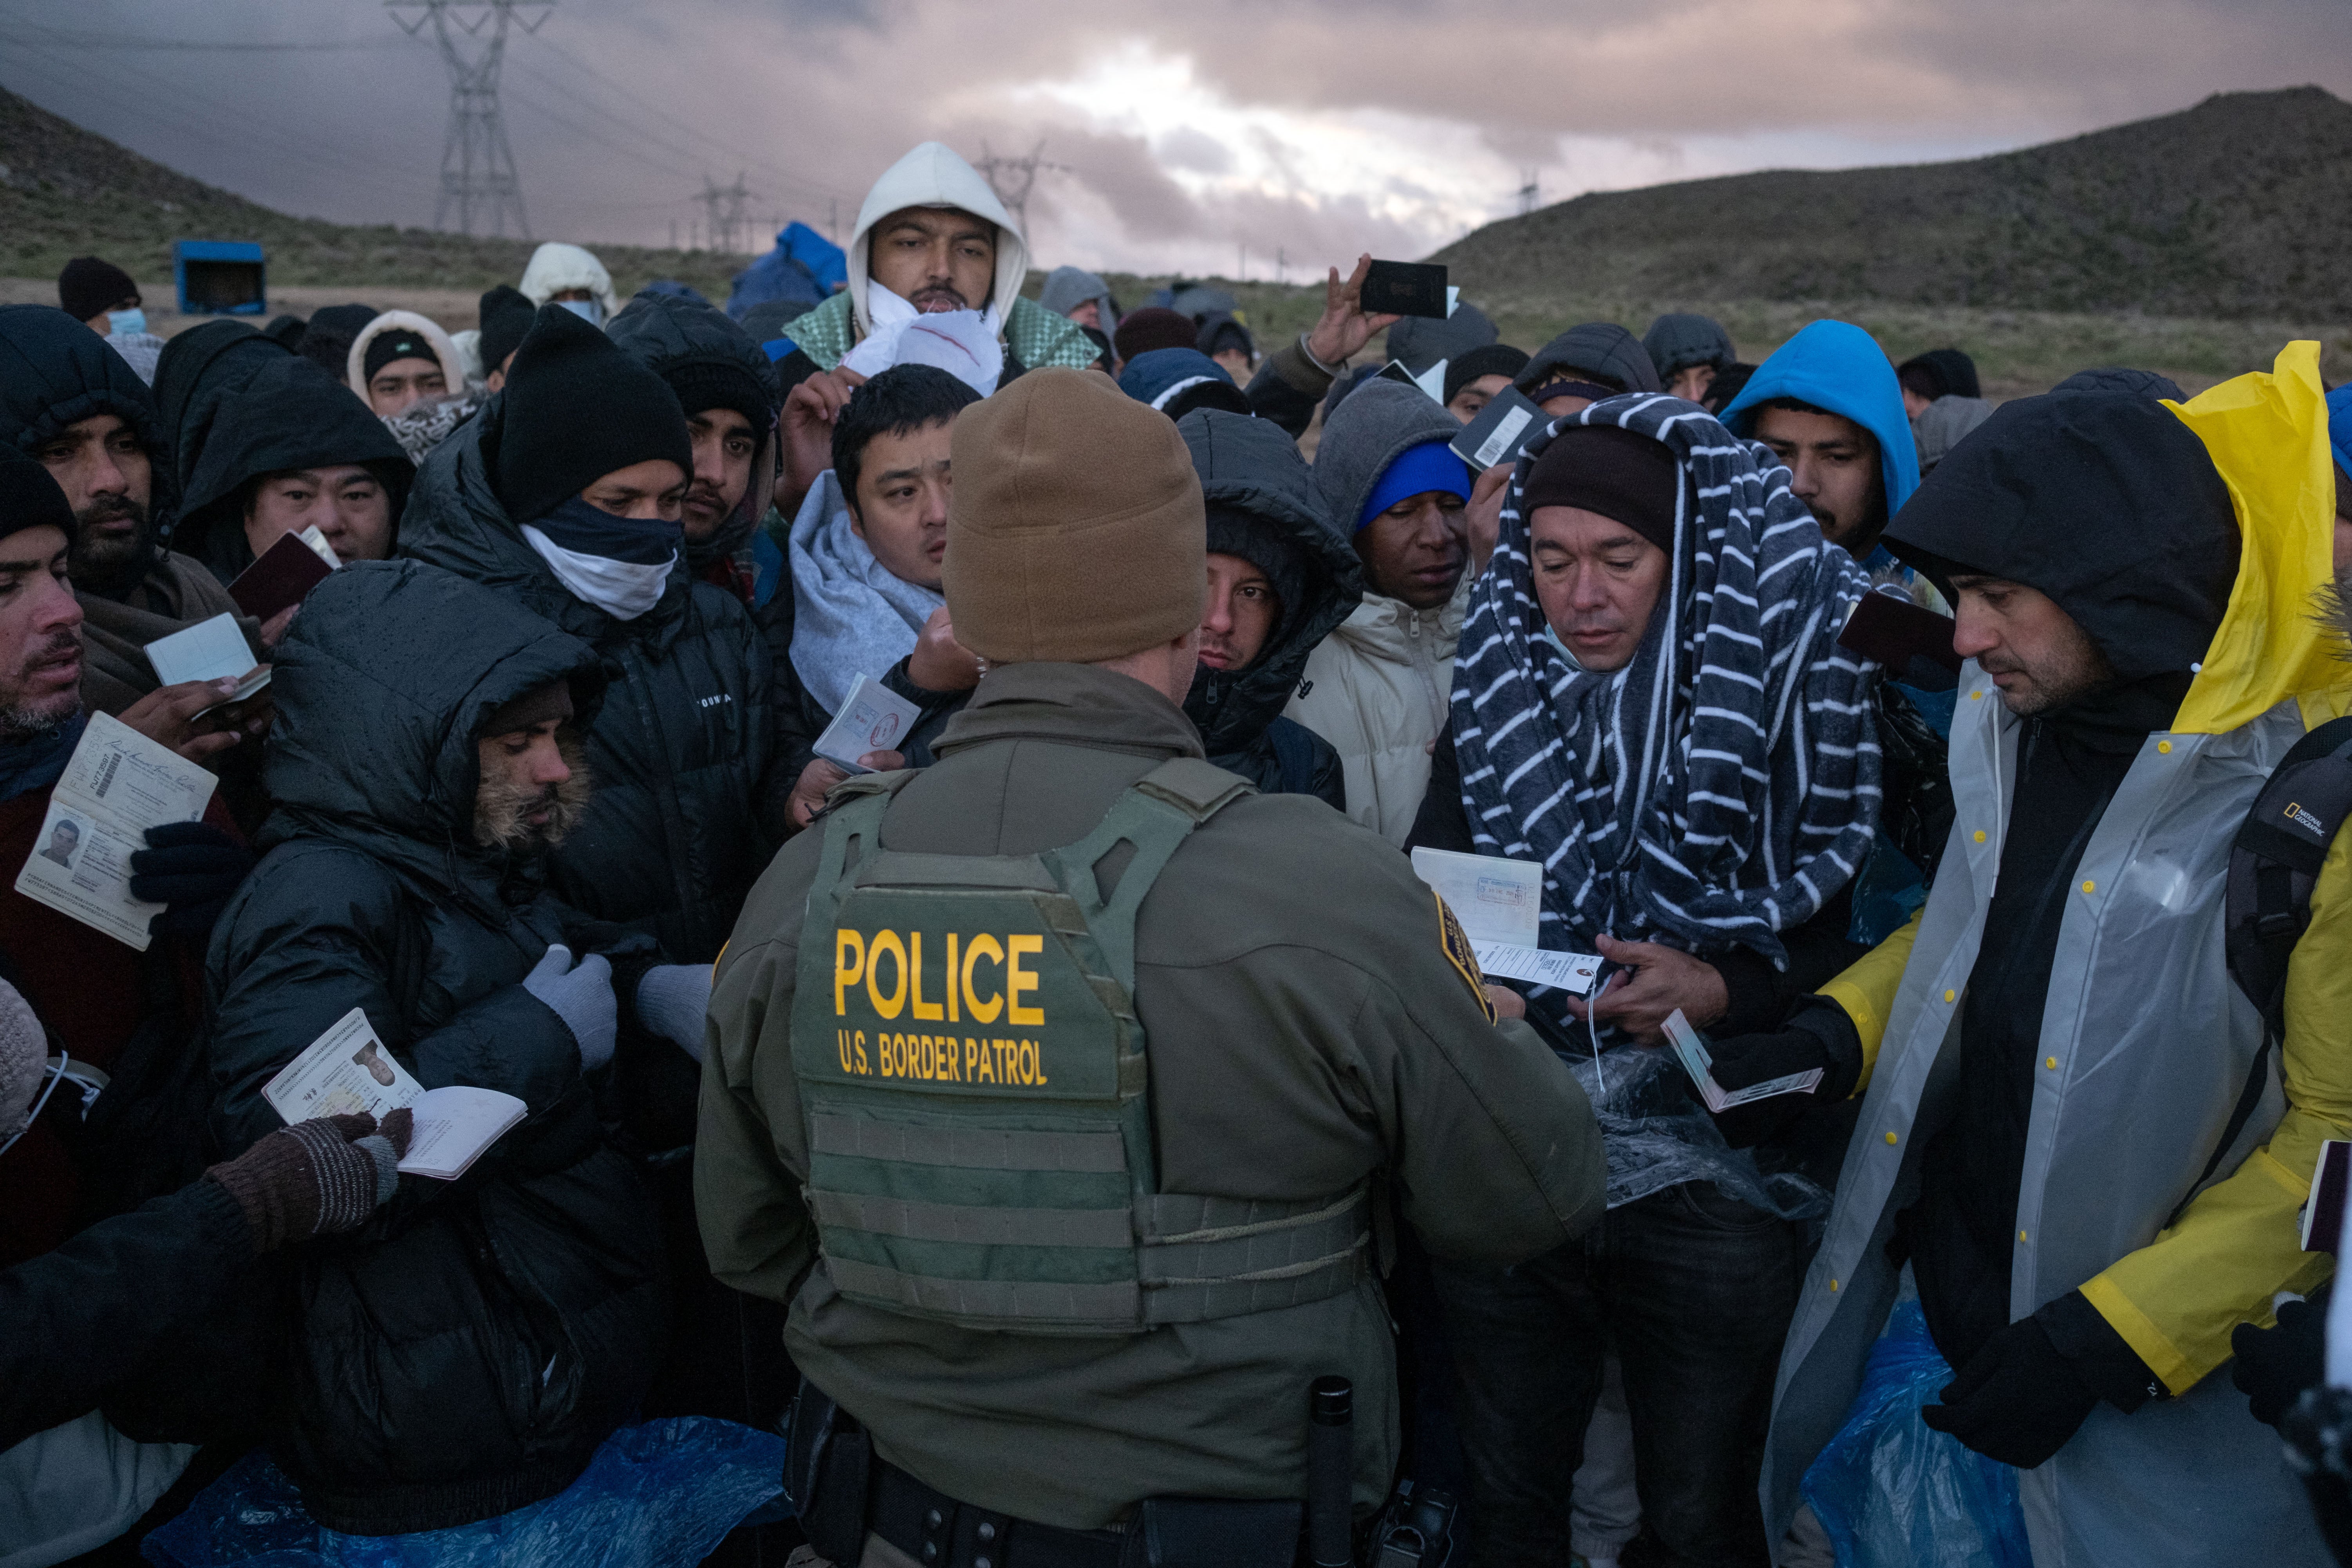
pixel 586 530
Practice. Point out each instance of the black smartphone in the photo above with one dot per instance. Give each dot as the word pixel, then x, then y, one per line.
pixel 1404 289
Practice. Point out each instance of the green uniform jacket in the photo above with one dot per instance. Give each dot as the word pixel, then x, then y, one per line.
pixel 1305 1028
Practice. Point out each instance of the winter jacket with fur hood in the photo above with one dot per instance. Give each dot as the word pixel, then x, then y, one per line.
pixel 556 267
pixel 453 364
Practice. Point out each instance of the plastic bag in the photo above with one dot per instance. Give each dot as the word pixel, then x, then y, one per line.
pixel 1894 1493
pixel 654 1496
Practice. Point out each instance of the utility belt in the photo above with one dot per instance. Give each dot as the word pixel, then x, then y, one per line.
pixel 843 1490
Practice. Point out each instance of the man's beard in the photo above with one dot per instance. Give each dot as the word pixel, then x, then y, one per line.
pixel 103 563
pixel 2086 674
pixel 21 720
pixel 500 808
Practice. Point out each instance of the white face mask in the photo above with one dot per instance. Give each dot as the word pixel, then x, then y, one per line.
pixel 135 320
pixel 621 589
pixel 588 311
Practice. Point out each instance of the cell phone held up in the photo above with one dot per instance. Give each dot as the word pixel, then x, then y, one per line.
pixel 1404 289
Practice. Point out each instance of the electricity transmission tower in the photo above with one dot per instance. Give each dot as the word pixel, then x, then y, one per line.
pixel 1012 178
pixel 478 172
pixel 1530 192
pixel 725 208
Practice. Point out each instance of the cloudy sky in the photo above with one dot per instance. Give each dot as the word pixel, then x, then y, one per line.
pixel 1210 136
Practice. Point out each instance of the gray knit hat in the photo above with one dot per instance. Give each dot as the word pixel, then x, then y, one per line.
pixel 1379 423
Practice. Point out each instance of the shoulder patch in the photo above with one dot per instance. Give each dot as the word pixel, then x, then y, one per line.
pixel 1458 953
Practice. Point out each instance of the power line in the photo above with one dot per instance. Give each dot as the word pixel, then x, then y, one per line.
pixel 477 167
pixel 1013 179
pixel 116 41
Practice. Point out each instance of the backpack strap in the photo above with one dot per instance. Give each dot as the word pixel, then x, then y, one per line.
pixel 2274 862
pixel 1153 819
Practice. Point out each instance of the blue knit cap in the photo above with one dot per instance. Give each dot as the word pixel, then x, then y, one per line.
pixel 1431 465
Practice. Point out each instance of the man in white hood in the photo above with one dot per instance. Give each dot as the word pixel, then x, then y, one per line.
pixel 933 238
pixel 565 275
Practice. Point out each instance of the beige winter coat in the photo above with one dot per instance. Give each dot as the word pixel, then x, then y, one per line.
pixel 1377 689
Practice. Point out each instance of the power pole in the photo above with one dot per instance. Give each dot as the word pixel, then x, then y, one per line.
pixel 1281 266
pixel 724 205
pixel 1012 178
pixel 1530 191
pixel 478 168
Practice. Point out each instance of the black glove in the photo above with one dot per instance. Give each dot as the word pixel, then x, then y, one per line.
pixel 1818 1034
pixel 2017 1401
pixel 2318 1432
pixel 2276 1365
pixel 191 868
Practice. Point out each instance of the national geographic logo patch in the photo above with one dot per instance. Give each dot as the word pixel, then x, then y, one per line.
pixel 1458 953
pixel 2306 820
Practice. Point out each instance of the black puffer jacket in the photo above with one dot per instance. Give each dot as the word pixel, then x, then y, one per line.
pixel 290 413
pixel 1250 466
pixel 466 1352
pixel 690 802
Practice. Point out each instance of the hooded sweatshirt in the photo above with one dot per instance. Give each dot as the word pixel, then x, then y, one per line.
pixel 1067 288
pixel 1377 688
pixel 2112 507
pixel 556 267
pixel 198 369
pixel 932 175
pixel 291 415
pixel 1840 367
pixel 1250 469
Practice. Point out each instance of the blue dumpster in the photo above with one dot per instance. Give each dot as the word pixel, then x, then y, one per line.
pixel 219 277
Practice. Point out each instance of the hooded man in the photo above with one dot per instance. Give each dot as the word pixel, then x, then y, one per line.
pixel 73 405
pixel 1422 341
pixel 1227 341
pixel 1828 404
pixel 1280 579
pixel 1375 688
pixel 2070 1144
pixel 1477 377
pixel 292 450
pixel 565 275
pixel 564 496
pixel 728 389
pixel 326 338
pixel 506 316
pixel 102 297
pixel 199 368
pixel 933 237
pixel 868 552
pixel 412 374
pixel 1177 380
pixel 1585 364
pixel 1204 1247
pixel 1936 374
pixel 467 1357
pixel 1689 352
pixel 1081 296
pixel 1653 707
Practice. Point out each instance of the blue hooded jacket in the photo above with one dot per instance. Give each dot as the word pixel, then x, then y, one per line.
pixel 1838 366
pixel 1161 375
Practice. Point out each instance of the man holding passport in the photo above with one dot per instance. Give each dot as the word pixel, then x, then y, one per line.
pixel 1155 1042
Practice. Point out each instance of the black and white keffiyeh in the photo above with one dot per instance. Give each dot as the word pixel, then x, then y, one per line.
pixel 1721 787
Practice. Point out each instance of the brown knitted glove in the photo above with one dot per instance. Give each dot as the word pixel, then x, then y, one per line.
pixel 325 1174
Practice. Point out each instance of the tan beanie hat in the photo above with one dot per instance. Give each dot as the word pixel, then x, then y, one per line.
pixel 1076 531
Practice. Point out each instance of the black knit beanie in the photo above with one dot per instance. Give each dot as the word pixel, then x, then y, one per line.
pixel 578 407
pixel 1233 531
pixel 506 315
pixel 1612 470
pixel 398 343
pixel 1495 359
pixel 706 384
pixel 29 498
pixel 89 286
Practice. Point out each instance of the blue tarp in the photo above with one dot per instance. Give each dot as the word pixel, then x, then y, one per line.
pixel 662 1495
pixel 803 266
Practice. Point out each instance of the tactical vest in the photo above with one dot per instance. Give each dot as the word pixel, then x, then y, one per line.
pixel 975 1085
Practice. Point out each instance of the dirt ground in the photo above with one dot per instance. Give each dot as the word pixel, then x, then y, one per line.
pixel 454 309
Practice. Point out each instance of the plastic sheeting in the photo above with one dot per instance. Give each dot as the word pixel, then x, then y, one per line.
pixel 1894 1493
pixel 661 1495
pixel 804 266
pixel 1658 1135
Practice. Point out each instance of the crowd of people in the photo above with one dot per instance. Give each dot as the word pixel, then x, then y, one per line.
pixel 1946 792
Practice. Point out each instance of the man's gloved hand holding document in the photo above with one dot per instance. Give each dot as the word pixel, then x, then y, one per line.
pixel 349 1069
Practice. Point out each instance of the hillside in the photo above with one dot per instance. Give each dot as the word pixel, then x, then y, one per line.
pixel 2238 208
pixel 65 192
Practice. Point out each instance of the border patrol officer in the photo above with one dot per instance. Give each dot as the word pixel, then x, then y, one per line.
pixel 1056 1087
